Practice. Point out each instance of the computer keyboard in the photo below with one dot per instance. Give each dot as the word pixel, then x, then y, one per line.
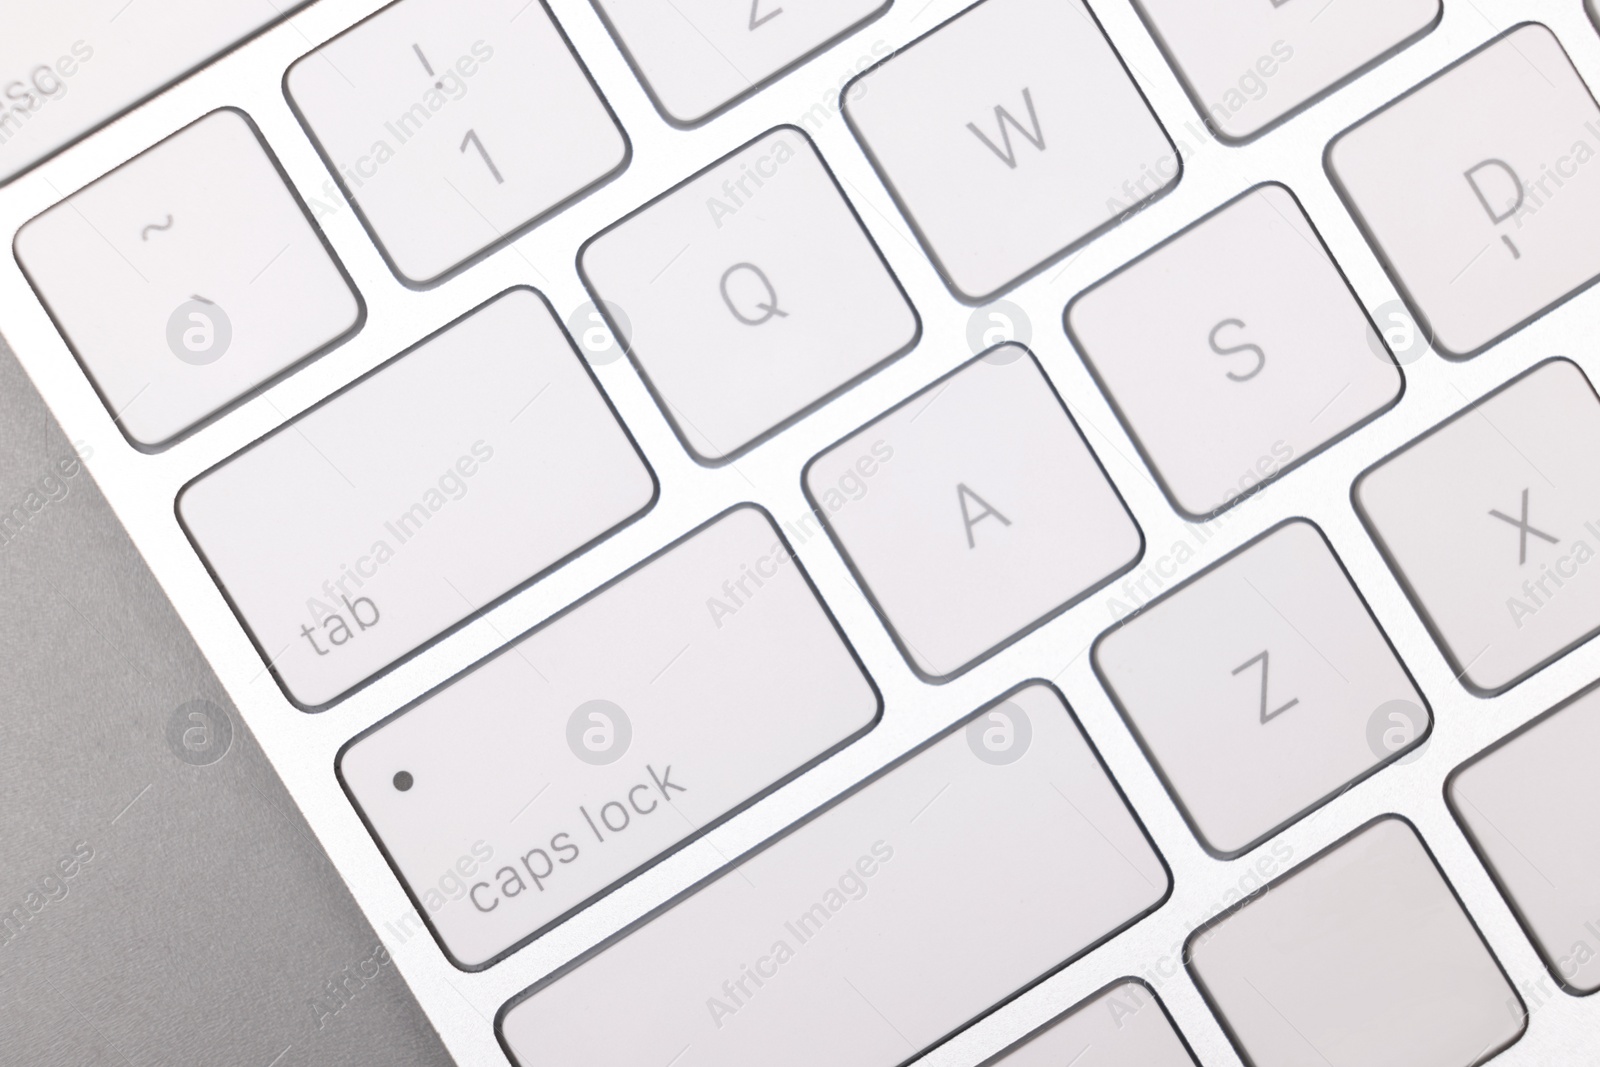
pixel 696 58
pixel 1124 1024
pixel 438 119
pixel 415 497
pixel 72 67
pixel 1071 568
pixel 972 512
pixel 1301 649
pixel 752 294
pixel 188 252
pixel 1511 594
pixel 1007 165
pixel 1496 146
pixel 1248 67
pixel 810 951
pixel 1294 364
pixel 1521 804
pixel 615 733
pixel 1368 930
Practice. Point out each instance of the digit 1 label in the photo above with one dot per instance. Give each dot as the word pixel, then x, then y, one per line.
pixel 472 139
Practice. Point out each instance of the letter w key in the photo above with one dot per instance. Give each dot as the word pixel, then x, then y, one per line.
pixel 1002 119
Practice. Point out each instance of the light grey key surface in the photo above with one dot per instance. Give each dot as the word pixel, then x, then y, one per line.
pixel 615 733
pixel 696 58
pixel 162 902
pixel 86 62
pixel 1360 957
pixel 1528 806
pixel 188 278
pixel 1474 189
pixel 962 875
pixel 1491 521
pixel 1249 66
pixel 973 511
pixel 1234 351
pixel 478 459
pixel 455 124
pixel 1261 688
pixel 1122 1026
pixel 1008 135
pixel 750 294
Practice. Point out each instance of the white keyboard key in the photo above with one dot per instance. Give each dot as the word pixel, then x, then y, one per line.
pixel 66 69
pixel 1527 805
pixel 1276 689
pixel 819 948
pixel 1041 142
pixel 455 124
pixel 752 292
pixel 1250 66
pixel 379 519
pixel 973 512
pixel 609 736
pixel 1490 521
pixel 1234 351
pixel 187 278
pixel 698 57
pixel 1361 955
pixel 1124 1026
pixel 1474 191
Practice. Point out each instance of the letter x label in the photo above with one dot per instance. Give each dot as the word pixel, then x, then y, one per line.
pixel 1523 526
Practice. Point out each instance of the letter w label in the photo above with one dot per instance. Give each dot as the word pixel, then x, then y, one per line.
pixel 1003 118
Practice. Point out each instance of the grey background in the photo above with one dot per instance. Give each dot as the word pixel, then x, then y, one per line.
pixel 209 927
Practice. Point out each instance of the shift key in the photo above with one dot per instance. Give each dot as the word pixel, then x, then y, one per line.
pixel 989 859
pixel 381 519
pixel 608 736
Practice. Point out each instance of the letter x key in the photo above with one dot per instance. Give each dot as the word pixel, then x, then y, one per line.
pixel 1522 525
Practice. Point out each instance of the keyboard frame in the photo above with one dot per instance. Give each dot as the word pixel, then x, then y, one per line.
pixel 142 489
